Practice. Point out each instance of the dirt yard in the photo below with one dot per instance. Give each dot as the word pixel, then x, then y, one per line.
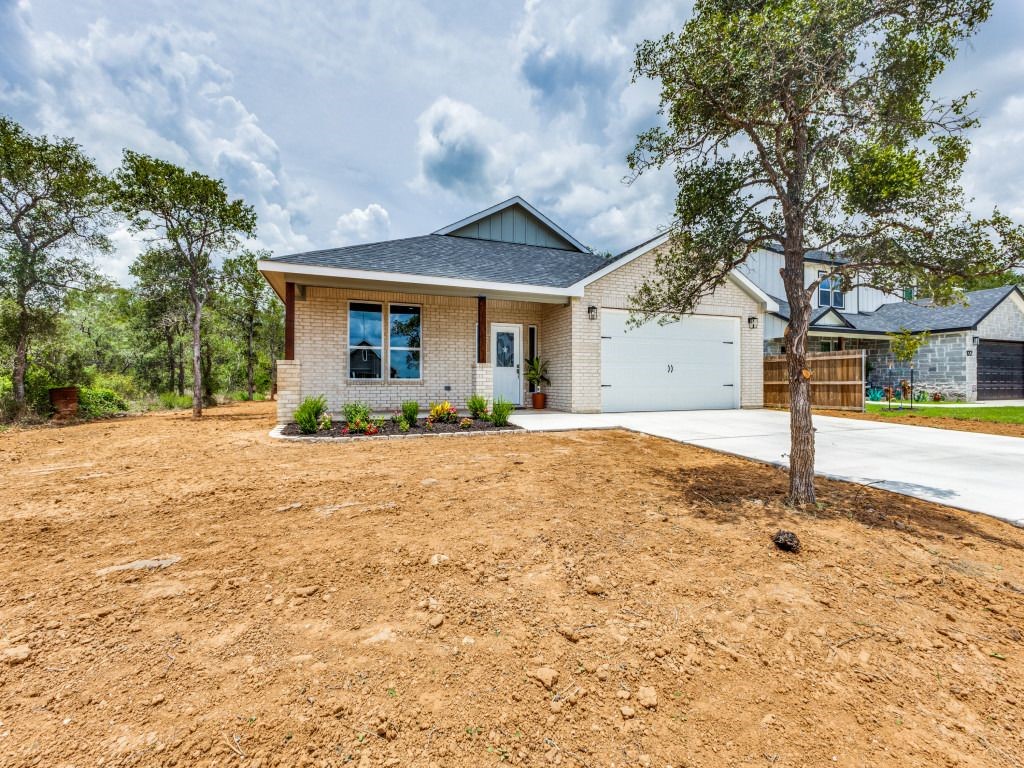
pixel 582 599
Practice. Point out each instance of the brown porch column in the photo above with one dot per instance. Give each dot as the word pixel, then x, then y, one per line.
pixel 481 329
pixel 289 321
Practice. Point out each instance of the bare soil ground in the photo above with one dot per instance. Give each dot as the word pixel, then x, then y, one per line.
pixel 583 599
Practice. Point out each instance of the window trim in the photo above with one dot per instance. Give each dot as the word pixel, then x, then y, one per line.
pixel 348 340
pixel 419 349
pixel 826 285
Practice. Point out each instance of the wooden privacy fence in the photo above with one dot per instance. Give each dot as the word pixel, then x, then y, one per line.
pixel 837 380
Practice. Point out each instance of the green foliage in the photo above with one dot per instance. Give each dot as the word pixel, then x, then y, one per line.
pixel 442 413
pixel 99 402
pixel 802 125
pixel 477 406
pixel 188 218
pixel 410 411
pixel 356 412
pixel 174 401
pixel 54 211
pixel 905 344
pixel 309 413
pixel 403 424
pixel 500 412
pixel 537 372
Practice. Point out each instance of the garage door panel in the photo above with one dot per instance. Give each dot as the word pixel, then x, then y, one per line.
pixel 1000 370
pixel 692 364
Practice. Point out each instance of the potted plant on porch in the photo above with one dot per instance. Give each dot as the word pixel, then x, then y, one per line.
pixel 536 374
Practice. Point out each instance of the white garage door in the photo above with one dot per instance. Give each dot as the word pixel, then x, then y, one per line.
pixel 684 366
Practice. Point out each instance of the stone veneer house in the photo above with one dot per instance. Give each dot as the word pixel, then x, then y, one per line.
pixel 975 349
pixel 458 312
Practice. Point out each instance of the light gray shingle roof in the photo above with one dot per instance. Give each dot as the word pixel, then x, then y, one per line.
pixel 459 258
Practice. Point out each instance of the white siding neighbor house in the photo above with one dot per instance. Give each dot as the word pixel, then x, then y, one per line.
pixel 975 349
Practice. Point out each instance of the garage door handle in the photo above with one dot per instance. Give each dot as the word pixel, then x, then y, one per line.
pixel 728 342
pixel 727 385
pixel 605 386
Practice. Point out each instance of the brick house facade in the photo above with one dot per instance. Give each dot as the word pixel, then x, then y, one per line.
pixel 562 322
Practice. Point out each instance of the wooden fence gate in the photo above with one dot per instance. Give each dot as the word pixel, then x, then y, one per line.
pixel 837 380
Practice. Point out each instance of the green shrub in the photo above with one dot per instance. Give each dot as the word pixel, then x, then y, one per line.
pixel 356 412
pixel 500 412
pixel 309 412
pixel 123 384
pixel 172 400
pixel 410 412
pixel 403 424
pixel 477 406
pixel 99 402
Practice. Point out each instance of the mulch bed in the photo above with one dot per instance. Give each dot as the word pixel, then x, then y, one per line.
pixel 390 429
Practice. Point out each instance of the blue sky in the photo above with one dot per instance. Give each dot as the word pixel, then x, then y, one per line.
pixel 347 122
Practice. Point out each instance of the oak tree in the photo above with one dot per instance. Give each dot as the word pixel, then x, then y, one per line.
pixel 809 125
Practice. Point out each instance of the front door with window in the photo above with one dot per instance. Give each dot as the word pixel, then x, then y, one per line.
pixel 507 351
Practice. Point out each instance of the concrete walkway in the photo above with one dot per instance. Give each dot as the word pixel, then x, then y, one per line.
pixel 980 473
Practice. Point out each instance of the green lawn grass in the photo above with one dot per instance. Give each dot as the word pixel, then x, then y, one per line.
pixel 1001 415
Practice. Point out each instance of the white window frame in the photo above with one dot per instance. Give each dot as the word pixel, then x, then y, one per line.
pixel 387 341
pixel 829 286
pixel 383 340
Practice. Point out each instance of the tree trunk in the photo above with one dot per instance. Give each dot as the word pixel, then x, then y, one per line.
pixel 20 366
pixel 169 336
pixel 197 359
pixel 250 353
pixel 181 369
pixel 207 375
pixel 801 427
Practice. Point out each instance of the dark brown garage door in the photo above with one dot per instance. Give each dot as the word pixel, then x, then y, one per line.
pixel 1000 370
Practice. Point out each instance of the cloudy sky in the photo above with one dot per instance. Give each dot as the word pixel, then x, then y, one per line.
pixel 352 121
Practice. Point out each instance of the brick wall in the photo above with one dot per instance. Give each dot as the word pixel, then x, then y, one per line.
pixel 448 347
pixel 613 291
pixel 289 389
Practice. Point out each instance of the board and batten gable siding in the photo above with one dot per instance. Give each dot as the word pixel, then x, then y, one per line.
pixel 448 346
pixel 514 225
pixel 613 291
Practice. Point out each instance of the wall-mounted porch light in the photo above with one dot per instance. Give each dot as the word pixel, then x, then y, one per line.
pixel 975 340
pixel 752 322
pixel 592 313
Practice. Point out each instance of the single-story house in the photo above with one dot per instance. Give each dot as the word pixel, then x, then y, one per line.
pixel 974 351
pixel 458 312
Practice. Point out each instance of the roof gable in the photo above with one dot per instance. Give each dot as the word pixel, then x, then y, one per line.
pixel 514 221
pixel 830 317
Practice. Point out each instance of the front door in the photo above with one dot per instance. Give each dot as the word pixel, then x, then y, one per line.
pixel 507 346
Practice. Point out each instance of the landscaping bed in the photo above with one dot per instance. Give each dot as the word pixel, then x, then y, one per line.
pixel 183 592
pixel 390 428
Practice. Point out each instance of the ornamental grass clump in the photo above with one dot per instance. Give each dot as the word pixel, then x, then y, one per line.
pixel 477 406
pixel 500 412
pixel 309 414
pixel 410 412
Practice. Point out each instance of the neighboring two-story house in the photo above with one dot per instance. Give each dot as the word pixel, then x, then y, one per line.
pixel 975 349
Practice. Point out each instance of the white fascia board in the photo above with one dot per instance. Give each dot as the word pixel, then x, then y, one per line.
pixel 508 204
pixel 737 277
pixel 414 280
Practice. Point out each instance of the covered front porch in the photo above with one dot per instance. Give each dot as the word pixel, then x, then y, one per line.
pixel 389 343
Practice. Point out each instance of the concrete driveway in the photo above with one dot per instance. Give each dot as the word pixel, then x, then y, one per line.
pixel 981 473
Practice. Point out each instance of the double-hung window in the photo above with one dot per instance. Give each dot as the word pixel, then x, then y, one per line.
pixel 404 341
pixel 830 292
pixel 365 340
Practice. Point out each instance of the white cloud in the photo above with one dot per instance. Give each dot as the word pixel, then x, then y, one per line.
pixel 362 225
pixel 156 90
